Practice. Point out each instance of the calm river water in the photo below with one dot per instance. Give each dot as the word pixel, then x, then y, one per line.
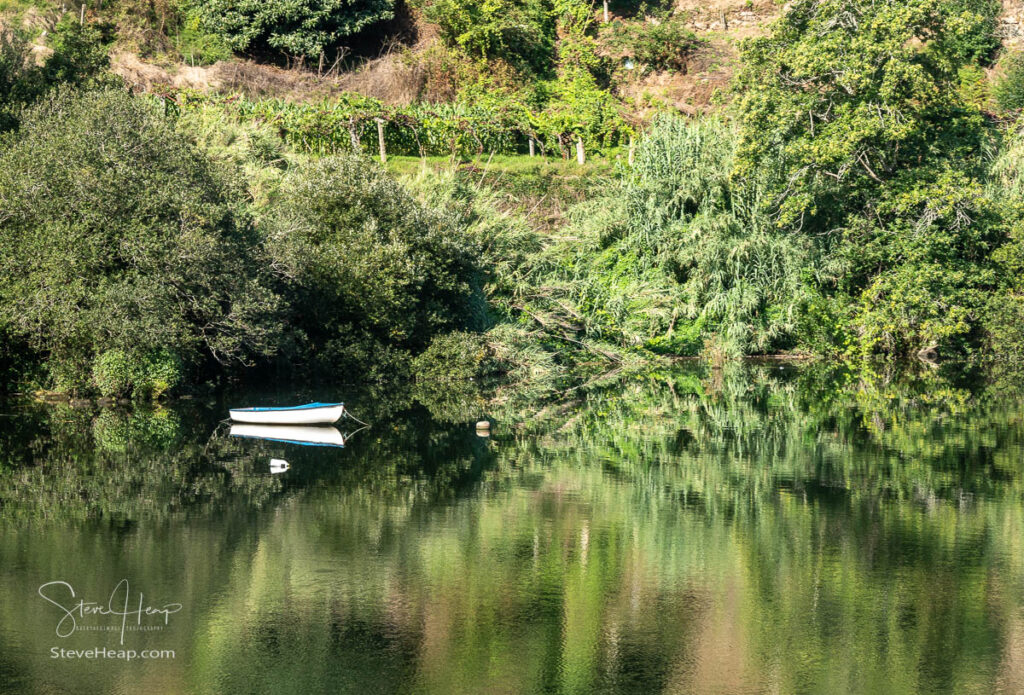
pixel 760 529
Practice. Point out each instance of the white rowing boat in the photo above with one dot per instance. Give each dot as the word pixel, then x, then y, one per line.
pixel 291 434
pixel 309 414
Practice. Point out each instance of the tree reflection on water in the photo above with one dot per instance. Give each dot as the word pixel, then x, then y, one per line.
pixel 756 528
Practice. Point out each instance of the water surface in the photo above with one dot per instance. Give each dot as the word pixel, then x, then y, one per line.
pixel 758 529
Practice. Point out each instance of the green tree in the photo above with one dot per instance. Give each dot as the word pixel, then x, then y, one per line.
pixel 297 27
pixel 19 77
pixel 843 96
pixel 522 31
pixel 855 108
pixel 116 234
pixel 372 274
pixel 79 58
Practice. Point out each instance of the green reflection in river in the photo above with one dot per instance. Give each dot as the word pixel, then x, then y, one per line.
pixel 754 529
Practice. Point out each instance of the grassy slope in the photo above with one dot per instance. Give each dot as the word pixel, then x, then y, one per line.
pixel 541 189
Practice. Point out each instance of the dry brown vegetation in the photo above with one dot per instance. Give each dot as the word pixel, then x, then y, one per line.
pixel 426 71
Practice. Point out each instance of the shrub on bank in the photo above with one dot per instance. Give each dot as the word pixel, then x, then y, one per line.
pixel 296 28
pixel 121 373
pixel 117 234
pixel 79 58
pixel 371 274
pixel 1009 89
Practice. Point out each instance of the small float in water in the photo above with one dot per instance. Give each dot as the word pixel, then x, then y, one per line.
pixel 278 466
pixel 291 434
pixel 309 414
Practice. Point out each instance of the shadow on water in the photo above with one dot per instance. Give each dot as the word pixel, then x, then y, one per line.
pixel 757 528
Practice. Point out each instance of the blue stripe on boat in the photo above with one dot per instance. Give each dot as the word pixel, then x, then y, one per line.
pixel 293 407
pixel 289 441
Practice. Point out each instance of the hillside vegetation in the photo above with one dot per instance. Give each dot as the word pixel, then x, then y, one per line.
pixel 853 190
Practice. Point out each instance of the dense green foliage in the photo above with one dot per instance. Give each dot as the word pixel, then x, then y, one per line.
pixel 664 45
pixel 1009 90
pixel 680 255
pixel 856 198
pixel 372 274
pixel 79 58
pixel 495 124
pixel 117 234
pixel 849 210
pixel 878 162
pixel 519 30
pixel 299 27
pixel 119 373
pixel 847 96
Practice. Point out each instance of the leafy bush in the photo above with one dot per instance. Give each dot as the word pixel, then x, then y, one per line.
pixel 971 34
pixel 200 47
pixel 518 30
pixel 18 77
pixel 117 234
pixel 922 269
pixel 680 254
pixel 882 181
pixel 372 274
pixel 455 356
pixel 298 27
pixel 1009 89
pixel 79 55
pixel 800 114
pixel 1004 324
pixel 79 58
pixel 663 45
pixel 121 373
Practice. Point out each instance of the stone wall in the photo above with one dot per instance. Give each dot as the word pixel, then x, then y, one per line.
pixel 1011 23
pixel 727 15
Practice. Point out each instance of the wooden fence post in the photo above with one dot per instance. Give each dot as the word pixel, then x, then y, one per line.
pixel 353 134
pixel 380 141
pixel 531 145
pixel 605 11
pixel 581 158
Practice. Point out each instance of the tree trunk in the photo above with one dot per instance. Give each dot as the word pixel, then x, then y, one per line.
pixel 581 158
pixel 605 11
pixel 632 150
pixel 531 147
pixel 380 141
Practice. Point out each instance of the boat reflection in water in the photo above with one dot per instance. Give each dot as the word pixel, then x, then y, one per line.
pixel 291 434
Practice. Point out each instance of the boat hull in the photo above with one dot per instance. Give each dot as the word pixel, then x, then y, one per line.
pixel 303 415
pixel 291 434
